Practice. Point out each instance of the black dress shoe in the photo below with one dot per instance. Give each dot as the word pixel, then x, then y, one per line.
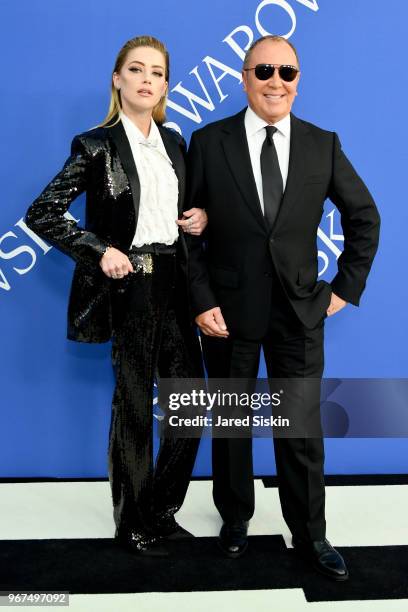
pixel 233 539
pixel 171 530
pixel 323 556
pixel 140 544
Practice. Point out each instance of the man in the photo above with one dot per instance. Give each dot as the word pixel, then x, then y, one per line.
pixel 263 176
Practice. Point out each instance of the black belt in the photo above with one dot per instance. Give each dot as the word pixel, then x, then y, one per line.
pixel 156 248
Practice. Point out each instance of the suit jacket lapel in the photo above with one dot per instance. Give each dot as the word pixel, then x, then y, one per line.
pixel 174 152
pixel 236 150
pixel 298 161
pixel 237 154
pixel 118 135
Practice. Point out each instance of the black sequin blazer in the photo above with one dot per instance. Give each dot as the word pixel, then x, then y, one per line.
pixel 101 164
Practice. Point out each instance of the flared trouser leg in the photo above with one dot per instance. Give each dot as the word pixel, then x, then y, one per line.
pixel 176 456
pixel 147 339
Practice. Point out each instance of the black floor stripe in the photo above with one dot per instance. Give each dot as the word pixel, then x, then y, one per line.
pixel 101 566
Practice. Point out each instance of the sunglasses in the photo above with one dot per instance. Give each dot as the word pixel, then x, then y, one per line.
pixel 263 72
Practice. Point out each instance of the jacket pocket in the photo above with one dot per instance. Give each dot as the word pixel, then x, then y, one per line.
pixel 307 275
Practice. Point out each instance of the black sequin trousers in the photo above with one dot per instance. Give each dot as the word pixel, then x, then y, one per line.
pixel 147 339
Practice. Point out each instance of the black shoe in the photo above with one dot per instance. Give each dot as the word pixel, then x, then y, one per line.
pixel 140 544
pixel 233 539
pixel 171 530
pixel 323 556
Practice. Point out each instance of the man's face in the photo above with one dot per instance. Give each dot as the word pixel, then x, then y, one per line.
pixel 271 99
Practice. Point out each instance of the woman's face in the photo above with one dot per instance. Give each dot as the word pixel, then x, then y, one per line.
pixel 141 80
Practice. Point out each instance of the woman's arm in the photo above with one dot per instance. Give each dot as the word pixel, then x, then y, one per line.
pixel 46 214
pixel 194 220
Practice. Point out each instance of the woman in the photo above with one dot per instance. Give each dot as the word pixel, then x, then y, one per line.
pixel 128 284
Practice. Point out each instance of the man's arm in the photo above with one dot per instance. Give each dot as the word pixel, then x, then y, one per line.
pixel 360 221
pixel 204 304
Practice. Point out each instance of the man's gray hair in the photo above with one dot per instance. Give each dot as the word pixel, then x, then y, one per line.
pixel 273 38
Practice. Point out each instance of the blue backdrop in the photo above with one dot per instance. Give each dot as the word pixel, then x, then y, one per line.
pixel 56 62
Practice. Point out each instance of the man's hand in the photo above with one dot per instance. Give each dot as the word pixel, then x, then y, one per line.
pixel 336 304
pixel 115 264
pixel 211 322
pixel 194 221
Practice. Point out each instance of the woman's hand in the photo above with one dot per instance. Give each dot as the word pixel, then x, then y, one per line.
pixel 194 221
pixel 115 264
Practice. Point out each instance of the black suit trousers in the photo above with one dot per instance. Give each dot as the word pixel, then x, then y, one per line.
pixel 291 351
pixel 149 340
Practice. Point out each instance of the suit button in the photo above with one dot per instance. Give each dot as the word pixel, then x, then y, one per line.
pixel 268 274
pixel 271 240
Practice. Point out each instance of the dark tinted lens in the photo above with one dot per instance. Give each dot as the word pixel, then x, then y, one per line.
pixel 287 73
pixel 264 71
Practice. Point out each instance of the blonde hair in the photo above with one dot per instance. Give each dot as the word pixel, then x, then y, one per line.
pixel 273 38
pixel 159 111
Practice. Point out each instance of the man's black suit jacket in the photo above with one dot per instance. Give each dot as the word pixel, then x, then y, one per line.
pixel 231 264
pixel 102 165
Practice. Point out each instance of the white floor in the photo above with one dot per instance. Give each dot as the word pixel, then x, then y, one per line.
pixel 356 516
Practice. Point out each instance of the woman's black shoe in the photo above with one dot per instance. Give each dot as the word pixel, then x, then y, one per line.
pixel 141 545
